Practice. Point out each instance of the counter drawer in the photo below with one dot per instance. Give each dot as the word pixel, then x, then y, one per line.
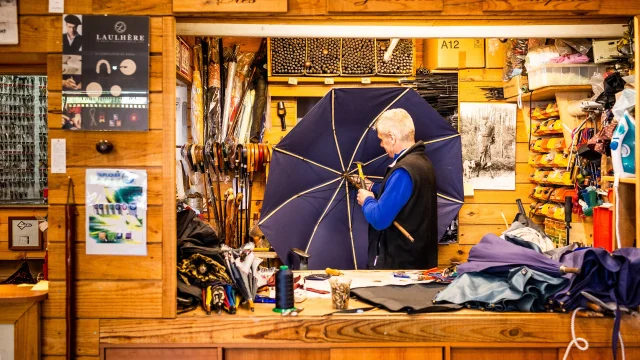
pixel 398 353
pixel 167 353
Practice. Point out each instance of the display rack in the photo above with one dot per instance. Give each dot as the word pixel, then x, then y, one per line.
pixel 23 143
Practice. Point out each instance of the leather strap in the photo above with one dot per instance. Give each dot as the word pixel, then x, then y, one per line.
pixel 256 158
pixel 261 162
pixel 267 161
pixel 239 159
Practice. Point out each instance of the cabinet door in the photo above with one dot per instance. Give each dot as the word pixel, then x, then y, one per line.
pixel 504 354
pixel 161 354
pixel 387 354
pixel 276 354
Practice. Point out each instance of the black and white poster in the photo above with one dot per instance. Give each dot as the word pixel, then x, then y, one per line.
pixel 488 145
pixel 8 22
pixel 105 73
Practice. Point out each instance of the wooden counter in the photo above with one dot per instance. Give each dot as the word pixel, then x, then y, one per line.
pixel 20 309
pixel 377 334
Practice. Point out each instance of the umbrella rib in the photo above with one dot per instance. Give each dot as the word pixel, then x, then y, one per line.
pixel 307 160
pixel 353 249
pixel 333 125
pixel 297 196
pixel 323 215
pixel 450 198
pixel 441 139
pixel 373 122
pixel 367 163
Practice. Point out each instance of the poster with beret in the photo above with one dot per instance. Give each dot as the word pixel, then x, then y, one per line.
pixel 105 73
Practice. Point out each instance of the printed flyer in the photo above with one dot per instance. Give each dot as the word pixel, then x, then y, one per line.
pixel 105 73
pixel 116 211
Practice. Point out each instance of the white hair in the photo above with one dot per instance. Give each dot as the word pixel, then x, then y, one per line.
pixel 397 122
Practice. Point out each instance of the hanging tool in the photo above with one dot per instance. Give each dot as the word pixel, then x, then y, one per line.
pixel 362 185
pixel 282 114
pixel 70 214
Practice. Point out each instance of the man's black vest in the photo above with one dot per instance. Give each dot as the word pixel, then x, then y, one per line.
pixel 419 217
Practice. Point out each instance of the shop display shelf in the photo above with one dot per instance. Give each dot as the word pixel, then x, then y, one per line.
pixel 549 92
pixel 622 180
pixel 563 75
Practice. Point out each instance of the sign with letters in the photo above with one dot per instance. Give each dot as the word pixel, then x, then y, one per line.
pixel 105 73
pixel 384 5
pixel 541 5
pixel 239 6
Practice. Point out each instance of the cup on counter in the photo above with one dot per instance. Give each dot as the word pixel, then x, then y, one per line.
pixel 340 292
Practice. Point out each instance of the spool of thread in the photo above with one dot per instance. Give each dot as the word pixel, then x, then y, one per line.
pixel 284 289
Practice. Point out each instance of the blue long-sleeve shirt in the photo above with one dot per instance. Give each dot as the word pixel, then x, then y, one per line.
pixel 380 213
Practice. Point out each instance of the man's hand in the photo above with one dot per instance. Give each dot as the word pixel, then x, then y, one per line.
pixel 363 195
pixel 367 182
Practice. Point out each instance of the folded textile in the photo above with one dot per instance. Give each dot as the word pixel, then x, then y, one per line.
pixel 522 289
pixel 415 298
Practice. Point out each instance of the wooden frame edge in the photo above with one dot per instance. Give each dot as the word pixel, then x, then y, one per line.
pixel 169 288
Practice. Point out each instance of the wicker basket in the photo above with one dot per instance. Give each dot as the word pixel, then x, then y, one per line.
pixel 381 66
pixel 347 51
pixel 313 57
pixel 279 54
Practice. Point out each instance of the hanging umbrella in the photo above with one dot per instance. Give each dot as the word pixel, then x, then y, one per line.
pixel 494 255
pixel 308 202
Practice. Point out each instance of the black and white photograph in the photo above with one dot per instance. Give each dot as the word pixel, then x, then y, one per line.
pixel 8 22
pixel 72 34
pixel 488 145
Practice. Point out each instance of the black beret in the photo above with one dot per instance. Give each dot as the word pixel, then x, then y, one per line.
pixel 72 19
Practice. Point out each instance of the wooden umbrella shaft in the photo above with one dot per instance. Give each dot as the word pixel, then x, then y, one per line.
pixel 70 220
pixel 395 223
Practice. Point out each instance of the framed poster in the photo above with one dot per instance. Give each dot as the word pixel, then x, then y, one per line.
pixel 488 133
pixel 116 215
pixel 105 73
pixel 24 234
pixel 8 22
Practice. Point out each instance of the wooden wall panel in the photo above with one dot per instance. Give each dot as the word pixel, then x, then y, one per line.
pixel 106 267
pixel 487 214
pixel 58 184
pixel 107 299
pixel 130 149
pixel 452 253
pixel 56 224
pixel 54 340
pixel 161 353
pixel 471 234
pixel 169 283
pixel 147 7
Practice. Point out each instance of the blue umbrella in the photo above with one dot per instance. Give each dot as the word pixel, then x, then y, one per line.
pixel 308 202
pixel 494 255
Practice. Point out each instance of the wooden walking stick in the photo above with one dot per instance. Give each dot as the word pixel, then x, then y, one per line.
pixel 70 213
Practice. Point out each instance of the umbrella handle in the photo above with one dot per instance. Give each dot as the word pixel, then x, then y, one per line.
pixel 568 270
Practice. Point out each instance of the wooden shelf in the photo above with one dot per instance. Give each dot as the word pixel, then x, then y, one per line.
pixel 183 79
pixel 549 92
pixel 338 79
pixel 19 255
pixel 266 254
pixel 622 180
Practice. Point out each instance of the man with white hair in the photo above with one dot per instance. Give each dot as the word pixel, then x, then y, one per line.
pixel 407 195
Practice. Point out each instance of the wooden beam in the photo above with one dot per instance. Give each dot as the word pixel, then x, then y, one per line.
pixel 169 282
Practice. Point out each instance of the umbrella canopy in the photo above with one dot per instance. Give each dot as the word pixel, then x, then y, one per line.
pixel 494 255
pixel 308 204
